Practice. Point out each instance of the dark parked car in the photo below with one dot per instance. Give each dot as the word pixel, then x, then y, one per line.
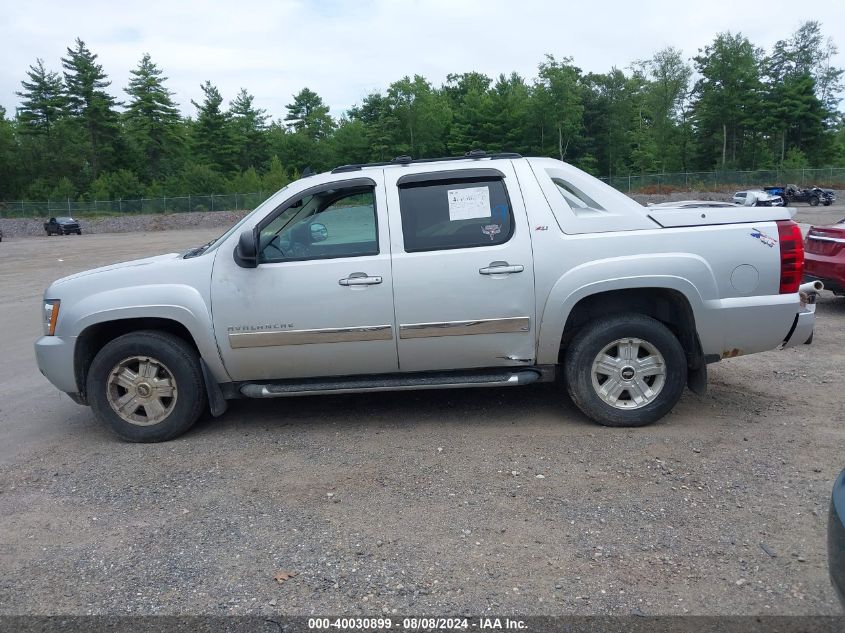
pixel 62 226
pixel 836 537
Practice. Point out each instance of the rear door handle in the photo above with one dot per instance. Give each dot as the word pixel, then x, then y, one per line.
pixel 501 268
pixel 360 279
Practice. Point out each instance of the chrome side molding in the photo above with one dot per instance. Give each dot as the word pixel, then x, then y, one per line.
pixel 276 338
pixel 464 328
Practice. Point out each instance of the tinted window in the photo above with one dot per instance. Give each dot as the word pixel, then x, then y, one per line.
pixel 329 224
pixel 574 197
pixel 455 214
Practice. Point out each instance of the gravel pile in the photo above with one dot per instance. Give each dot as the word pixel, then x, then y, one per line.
pixel 655 198
pixel 21 227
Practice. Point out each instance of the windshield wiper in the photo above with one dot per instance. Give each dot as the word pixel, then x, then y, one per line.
pixel 199 250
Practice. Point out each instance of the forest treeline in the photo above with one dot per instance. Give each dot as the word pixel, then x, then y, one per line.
pixel 732 106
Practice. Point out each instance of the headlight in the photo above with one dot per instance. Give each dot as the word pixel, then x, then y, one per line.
pixel 51 315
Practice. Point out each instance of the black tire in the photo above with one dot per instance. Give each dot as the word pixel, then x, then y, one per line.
pixel 79 231
pixel 814 201
pixel 180 360
pixel 49 233
pixel 578 368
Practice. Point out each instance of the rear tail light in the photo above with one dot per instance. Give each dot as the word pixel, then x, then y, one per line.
pixel 791 256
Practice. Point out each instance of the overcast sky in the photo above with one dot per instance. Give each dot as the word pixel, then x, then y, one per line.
pixel 346 49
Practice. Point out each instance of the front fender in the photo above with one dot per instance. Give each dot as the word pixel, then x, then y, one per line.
pixel 690 275
pixel 176 302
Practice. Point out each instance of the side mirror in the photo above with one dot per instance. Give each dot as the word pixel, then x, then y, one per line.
pixel 319 232
pixel 246 252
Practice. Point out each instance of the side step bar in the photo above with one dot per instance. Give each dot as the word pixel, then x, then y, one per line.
pixel 391 382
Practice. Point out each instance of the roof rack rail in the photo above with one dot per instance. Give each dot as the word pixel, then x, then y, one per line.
pixel 407 160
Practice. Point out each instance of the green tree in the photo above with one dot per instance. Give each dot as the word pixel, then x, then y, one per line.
pixel 471 104
pixel 249 126
pixel 151 118
pixel 308 114
pixel 510 104
pixel 558 108
pixel 91 106
pixel 807 52
pixel 726 102
pixel 10 168
pixel 800 104
pixel 610 107
pixel 276 177
pixel 795 159
pixel 349 143
pixel 375 116
pixel 43 100
pixel 117 185
pixel 64 190
pixel 213 136
pixel 420 117
pixel 667 76
pixel 49 144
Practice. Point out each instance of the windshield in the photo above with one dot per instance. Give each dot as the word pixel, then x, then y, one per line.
pixel 205 248
pixel 65 220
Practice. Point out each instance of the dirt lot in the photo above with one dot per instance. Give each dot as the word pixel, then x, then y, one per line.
pixel 429 502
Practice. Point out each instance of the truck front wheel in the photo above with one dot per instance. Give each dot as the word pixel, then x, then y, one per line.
pixel 625 370
pixel 147 386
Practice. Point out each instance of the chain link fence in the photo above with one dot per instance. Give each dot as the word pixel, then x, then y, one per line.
pixel 652 183
pixel 145 206
pixel 714 180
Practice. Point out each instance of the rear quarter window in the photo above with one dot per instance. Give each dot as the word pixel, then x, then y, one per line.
pixel 455 214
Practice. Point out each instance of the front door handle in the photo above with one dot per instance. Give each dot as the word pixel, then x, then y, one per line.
pixel 501 268
pixel 360 279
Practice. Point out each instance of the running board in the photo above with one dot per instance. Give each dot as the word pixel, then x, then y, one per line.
pixel 391 382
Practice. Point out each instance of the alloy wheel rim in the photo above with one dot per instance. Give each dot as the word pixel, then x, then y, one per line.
pixel 142 390
pixel 628 373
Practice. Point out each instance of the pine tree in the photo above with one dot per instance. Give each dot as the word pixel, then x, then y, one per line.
pixel 43 100
pixel 309 114
pixel 213 139
pixel 151 117
pixel 249 126
pixel 91 106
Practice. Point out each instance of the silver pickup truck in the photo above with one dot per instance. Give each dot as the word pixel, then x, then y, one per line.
pixel 487 271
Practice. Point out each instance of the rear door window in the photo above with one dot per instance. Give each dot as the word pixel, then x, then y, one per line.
pixel 467 213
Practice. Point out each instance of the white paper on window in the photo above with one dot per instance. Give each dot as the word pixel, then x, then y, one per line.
pixel 466 204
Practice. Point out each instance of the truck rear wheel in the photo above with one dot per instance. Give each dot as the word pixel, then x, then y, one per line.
pixel 625 370
pixel 147 386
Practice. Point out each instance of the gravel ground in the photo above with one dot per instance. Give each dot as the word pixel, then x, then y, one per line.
pixel 477 501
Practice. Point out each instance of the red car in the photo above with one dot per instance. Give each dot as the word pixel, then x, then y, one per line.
pixel 824 256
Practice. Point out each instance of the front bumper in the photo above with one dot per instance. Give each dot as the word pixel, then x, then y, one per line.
pixel 836 537
pixel 54 356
